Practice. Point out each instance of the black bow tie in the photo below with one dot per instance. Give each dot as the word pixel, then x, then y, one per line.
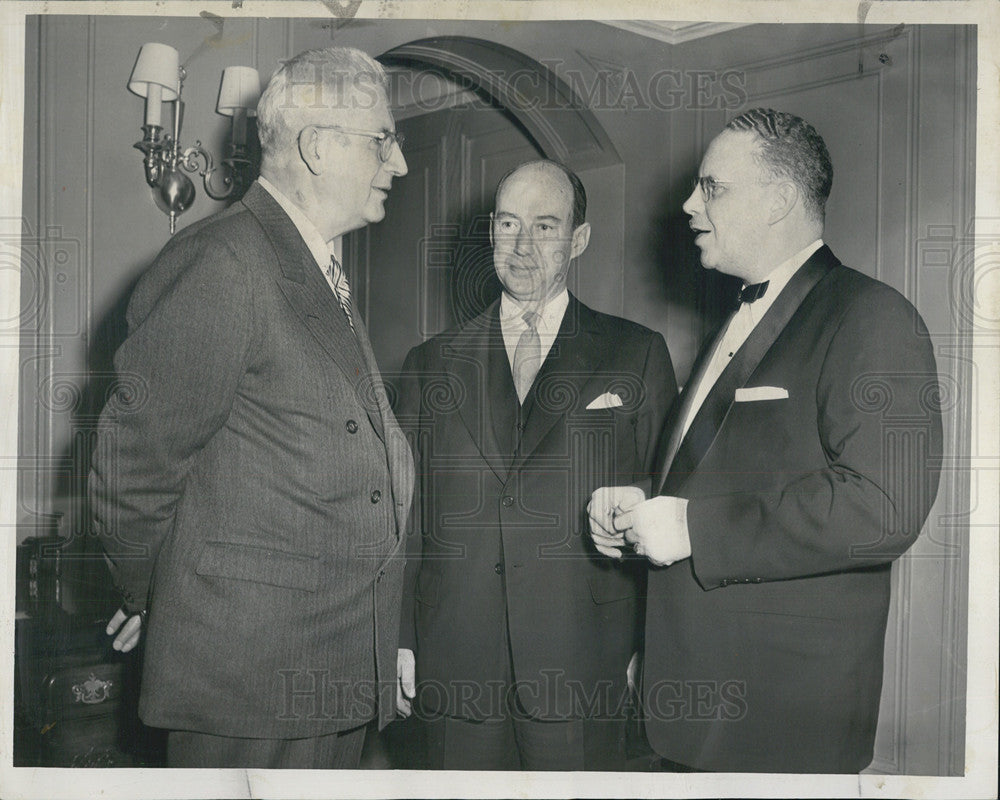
pixel 752 292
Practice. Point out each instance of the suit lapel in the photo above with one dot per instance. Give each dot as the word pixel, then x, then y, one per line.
pixel 373 390
pixel 704 427
pixel 501 404
pixel 467 361
pixel 309 295
pixel 576 354
pixel 399 457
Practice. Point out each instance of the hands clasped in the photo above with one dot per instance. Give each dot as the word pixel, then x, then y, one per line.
pixel 622 519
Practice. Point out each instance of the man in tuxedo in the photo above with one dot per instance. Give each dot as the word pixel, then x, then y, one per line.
pixel 517 631
pixel 251 492
pixel 797 465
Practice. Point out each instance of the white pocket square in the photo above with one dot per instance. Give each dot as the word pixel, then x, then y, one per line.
pixel 752 393
pixel 606 400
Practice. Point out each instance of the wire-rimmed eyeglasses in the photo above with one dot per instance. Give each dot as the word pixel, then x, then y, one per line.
pixel 385 139
pixel 709 187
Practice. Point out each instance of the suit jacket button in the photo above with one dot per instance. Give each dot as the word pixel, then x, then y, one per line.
pixel 352 426
pixel 498 569
pixel 507 501
pixel 376 496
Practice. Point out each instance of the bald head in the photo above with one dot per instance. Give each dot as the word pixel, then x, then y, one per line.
pixel 578 208
pixel 538 229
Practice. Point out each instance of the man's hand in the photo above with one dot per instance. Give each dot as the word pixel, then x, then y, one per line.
pixel 604 504
pixel 128 636
pixel 657 528
pixel 406 687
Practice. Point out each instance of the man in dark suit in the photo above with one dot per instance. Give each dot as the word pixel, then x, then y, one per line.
pixel 798 464
pixel 520 632
pixel 252 493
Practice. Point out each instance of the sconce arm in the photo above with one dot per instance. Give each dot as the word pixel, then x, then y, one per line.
pixel 197 159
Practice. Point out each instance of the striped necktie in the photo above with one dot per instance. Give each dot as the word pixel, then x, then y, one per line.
pixel 527 356
pixel 337 278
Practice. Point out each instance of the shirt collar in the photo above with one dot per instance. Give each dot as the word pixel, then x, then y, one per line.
pixel 550 314
pixel 782 274
pixel 321 249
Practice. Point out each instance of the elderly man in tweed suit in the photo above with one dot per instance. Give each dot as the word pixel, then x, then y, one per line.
pixel 251 497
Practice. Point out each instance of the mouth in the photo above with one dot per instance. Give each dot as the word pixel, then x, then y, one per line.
pixel 699 233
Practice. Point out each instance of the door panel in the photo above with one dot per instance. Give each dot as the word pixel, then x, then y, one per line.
pixel 428 266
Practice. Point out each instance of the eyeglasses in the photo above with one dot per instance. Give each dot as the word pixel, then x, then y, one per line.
pixel 385 139
pixel 709 187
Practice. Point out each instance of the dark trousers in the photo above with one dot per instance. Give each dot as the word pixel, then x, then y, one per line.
pixel 515 741
pixel 340 750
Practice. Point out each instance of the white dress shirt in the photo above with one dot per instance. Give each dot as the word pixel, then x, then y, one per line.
pixel 738 330
pixel 322 250
pixel 741 325
pixel 512 324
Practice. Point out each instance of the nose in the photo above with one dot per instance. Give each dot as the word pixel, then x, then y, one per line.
pixel 522 242
pixel 694 203
pixel 397 162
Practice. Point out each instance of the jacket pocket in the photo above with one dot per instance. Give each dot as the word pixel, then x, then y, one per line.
pixel 243 562
pixel 612 586
pixel 428 583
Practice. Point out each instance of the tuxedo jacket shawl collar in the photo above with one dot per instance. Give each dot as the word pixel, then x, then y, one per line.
pixel 310 296
pixel 681 456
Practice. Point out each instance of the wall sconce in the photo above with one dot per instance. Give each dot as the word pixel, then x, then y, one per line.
pixel 159 78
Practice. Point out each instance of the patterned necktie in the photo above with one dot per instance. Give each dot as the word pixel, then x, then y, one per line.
pixel 527 356
pixel 338 280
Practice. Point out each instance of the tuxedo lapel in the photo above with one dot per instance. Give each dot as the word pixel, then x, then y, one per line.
pixel 309 294
pixel 691 449
pixel 673 427
pixel 576 354
pixel 467 362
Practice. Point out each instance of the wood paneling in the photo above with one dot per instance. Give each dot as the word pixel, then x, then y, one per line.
pixel 896 107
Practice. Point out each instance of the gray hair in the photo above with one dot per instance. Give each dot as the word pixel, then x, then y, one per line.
pixel 304 89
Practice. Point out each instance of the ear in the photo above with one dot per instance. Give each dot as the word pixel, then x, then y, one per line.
pixel 785 198
pixel 491 229
pixel 309 150
pixel 581 238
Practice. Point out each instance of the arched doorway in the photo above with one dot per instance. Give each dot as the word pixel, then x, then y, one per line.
pixel 471 110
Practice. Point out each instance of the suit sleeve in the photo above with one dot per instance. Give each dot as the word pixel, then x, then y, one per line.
pixel 410 415
pixel 190 322
pixel 660 386
pixel 879 424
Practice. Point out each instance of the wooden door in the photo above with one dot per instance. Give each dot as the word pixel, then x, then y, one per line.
pixel 428 265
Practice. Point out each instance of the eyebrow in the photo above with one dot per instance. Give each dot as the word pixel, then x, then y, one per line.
pixel 542 218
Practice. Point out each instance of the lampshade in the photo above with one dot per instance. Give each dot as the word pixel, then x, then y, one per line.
pixel 157 64
pixel 240 89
